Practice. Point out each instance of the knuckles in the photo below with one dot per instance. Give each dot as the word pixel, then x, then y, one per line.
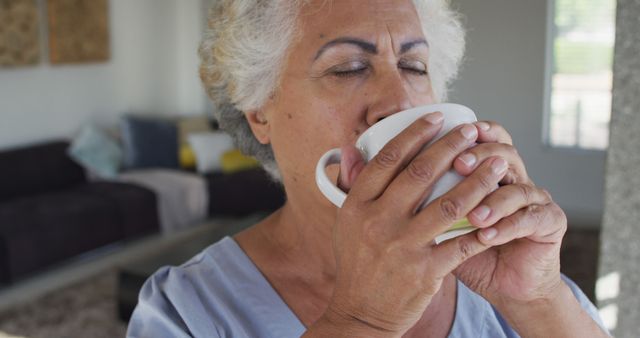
pixel 486 183
pixel 559 216
pixel 525 191
pixel 454 143
pixel 450 210
pixel 465 250
pixel 388 157
pixel 536 214
pixel 421 171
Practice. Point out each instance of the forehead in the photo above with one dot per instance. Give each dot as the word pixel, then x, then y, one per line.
pixel 366 19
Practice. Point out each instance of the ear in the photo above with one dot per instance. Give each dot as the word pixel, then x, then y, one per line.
pixel 259 125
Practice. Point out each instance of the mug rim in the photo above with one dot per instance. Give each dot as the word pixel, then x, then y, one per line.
pixel 420 110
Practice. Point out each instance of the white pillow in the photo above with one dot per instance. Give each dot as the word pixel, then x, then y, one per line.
pixel 208 148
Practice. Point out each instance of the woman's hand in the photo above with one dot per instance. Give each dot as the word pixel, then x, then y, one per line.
pixel 520 273
pixel 387 268
pixel 519 221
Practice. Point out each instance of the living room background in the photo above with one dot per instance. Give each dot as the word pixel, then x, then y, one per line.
pixel 152 70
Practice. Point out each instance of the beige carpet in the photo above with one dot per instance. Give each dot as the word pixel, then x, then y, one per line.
pixel 85 309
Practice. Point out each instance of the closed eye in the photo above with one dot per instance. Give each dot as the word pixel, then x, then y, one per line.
pixel 349 69
pixel 416 71
pixel 413 66
pixel 350 73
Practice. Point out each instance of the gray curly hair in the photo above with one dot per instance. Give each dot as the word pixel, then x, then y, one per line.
pixel 244 47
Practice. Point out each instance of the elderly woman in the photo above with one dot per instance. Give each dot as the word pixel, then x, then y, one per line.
pixel 292 79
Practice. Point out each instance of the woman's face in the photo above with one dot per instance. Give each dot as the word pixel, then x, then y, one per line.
pixel 353 63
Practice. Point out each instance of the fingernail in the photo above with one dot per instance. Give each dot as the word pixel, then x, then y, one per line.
pixel 483 125
pixel 489 233
pixel 482 212
pixel 468 159
pixel 434 118
pixel 469 132
pixel 499 166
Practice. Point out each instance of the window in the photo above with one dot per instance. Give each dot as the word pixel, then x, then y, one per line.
pixel 579 104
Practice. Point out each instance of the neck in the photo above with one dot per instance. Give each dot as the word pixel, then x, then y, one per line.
pixel 302 238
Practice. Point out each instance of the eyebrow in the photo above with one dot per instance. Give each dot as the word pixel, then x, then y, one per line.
pixel 367 46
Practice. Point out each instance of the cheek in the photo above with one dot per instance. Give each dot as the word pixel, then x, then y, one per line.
pixel 308 122
pixel 301 137
pixel 311 132
pixel 341 126
pixel 323 126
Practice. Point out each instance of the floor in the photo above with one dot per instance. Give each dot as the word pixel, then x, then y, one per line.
pixel 83 309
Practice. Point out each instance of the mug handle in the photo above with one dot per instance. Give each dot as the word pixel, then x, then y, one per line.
pixel 328 189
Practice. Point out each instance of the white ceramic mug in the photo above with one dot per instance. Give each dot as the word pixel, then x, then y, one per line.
pixel 374 139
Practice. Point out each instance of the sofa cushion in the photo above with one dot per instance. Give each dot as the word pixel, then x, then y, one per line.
pixel 97 152
pixel 149 142
pixel 38 231
pixel 209 148
pixel 242 193
pixel 38 169
pixel 137 206
pixel 41 230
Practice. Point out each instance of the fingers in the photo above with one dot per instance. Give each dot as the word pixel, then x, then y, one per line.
pixel 539 223
pixel 490 131
pixel 450 254
pixel 458 202
pixel 415 181
pixel 394 156
pixel 505 201
pixel 469 160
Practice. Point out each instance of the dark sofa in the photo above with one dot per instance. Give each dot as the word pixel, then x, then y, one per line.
pixel 50 212
pixel 242 193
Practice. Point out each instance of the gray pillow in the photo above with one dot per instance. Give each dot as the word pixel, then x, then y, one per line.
pixel 149 142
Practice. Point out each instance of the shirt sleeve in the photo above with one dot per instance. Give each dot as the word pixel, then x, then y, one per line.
pixel 155 315
pixel 585 303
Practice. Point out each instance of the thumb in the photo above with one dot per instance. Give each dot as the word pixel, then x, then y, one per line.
pixel 351 165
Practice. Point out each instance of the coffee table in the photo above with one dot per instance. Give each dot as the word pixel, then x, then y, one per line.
pixel 132 276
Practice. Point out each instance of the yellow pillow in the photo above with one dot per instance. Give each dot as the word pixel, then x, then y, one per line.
pixel 187 157
pixel 234 160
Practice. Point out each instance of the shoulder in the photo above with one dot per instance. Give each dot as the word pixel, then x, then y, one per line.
pixel 175 300
pixel 217 293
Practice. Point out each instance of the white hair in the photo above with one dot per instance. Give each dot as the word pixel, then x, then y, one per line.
pixel 244 48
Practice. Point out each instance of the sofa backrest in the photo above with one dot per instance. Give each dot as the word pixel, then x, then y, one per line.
pixel 37 169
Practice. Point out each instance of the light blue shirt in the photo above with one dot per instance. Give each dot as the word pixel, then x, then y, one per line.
pixel 221 293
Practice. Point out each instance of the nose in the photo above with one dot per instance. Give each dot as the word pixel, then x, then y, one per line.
pixel 391 97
